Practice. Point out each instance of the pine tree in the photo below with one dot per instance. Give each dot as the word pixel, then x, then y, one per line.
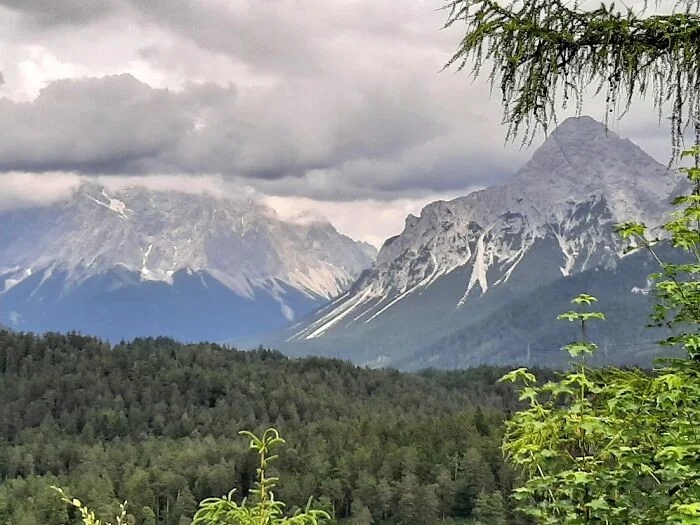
pixel 490 509
pixel 360 514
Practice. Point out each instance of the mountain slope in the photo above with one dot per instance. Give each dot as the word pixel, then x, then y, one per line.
pixel 140 262
pixel 526 331
pixel 463 262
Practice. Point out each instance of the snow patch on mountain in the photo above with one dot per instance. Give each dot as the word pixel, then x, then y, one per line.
pixel 115 205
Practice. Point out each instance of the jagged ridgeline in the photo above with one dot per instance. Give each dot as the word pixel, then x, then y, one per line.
pixel 129 262
pixel 481 278
pixel 155 422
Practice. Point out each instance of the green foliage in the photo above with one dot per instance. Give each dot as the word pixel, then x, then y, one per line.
pixel 677 285
pixel 87 516
pixel 263 508
pixel 610 446
pixel 620 446
pixel 547 52
pixel 490 509
pixel 33 502
pixel 151 421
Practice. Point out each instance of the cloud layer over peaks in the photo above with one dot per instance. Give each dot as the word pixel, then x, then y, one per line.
pixel 312 101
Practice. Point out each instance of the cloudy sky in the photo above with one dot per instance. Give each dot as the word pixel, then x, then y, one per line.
pixel 336 107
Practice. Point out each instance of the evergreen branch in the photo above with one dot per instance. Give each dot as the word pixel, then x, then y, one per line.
pixel 538 47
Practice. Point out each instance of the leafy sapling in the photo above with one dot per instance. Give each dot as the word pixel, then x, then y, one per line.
pixel 88 517
pixel 262 508
pixel 621 446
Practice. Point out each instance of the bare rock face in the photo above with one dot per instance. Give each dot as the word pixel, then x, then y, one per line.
pixel 140 247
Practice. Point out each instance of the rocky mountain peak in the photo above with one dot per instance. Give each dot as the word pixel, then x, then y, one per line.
pixel 582 158
pixel 580 127
pixel 553 219
pixel 185 264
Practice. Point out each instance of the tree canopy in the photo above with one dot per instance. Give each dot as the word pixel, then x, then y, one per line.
pixel 154 422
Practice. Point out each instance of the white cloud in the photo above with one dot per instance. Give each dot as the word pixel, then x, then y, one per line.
pixel 30 189
pixel 368 220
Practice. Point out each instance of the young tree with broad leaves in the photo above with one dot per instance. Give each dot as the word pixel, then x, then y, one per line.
pixel 605 446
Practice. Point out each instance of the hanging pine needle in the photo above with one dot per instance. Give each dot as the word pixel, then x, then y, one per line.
pixel 546 53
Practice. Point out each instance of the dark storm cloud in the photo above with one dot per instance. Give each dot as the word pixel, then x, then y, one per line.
pixel 48 13
pixel 92 125
pixel 261 34
pixel 451 173
pixel 272 35
pixel 394 179
pixel 350 103
pixel 288 37
pixel 119 125
pixel 332 99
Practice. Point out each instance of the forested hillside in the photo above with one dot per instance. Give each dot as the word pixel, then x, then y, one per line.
pixel 155 422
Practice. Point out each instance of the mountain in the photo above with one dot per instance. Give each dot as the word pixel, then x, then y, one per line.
pixel 480 279
pixel 132 262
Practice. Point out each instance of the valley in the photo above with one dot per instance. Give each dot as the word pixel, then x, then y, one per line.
pixel 456 288
pixel 136 262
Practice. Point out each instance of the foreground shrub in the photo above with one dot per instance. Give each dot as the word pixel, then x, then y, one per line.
pixel 621 446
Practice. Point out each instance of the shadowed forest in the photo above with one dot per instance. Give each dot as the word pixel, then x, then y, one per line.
pixel 155 422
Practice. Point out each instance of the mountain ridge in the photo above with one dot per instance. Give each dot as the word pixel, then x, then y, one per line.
pixel 115 241
pixel 471 256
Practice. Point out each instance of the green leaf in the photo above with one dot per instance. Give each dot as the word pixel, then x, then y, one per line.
pixel 584 299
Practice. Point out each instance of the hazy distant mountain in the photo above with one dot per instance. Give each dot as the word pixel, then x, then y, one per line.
pixel 140 262
pixel 480 279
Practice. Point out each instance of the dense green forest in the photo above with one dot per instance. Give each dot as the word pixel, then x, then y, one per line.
pixel 155 422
